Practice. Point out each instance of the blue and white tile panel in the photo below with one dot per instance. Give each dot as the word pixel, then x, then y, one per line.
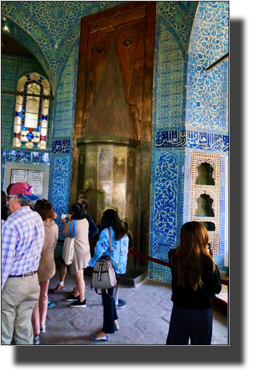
pixel 192 140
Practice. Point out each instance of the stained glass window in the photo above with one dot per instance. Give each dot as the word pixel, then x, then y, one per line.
pixel 31 112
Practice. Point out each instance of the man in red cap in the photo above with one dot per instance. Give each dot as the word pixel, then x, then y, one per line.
pixel 22 242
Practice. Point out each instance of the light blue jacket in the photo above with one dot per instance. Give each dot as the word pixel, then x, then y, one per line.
pixel 119 250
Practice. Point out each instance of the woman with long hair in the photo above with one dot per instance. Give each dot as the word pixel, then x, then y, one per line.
pixel 5 212
pixel 81 254
pixel 118 256
pixel 47 266
pixel 195 280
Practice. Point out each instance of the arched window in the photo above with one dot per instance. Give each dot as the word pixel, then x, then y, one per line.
pixel 31 112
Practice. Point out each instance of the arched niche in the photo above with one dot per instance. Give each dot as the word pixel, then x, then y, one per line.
pixel 204 206
pixel 205 174
pixel 210 226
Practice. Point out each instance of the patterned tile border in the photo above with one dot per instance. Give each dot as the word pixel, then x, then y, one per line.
pixel 192 140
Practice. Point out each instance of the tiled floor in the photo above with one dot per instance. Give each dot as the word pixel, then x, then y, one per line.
pixel 145 319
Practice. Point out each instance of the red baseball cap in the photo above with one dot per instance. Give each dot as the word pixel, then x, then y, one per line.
pixel 25 189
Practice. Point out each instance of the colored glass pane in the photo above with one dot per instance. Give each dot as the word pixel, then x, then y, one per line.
pixel 28 120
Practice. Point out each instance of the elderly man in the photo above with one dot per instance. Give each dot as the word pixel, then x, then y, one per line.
pixel 22 242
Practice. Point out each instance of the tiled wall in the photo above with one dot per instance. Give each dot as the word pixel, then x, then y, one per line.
pixel 206 108
pixel 63 124
pixel 169 136
pixel 207 95
pixel 190 113
pixel 179 124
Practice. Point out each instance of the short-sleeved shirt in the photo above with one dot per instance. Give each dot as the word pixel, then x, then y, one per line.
pixel 22 241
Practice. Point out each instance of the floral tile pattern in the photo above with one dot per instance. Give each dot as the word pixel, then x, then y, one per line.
pixel 207 96
pixel 190 113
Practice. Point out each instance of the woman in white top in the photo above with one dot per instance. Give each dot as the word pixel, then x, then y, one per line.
pixel 81 255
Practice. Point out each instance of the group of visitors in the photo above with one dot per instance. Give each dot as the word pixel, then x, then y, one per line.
pixel 31 262
pixel 29 238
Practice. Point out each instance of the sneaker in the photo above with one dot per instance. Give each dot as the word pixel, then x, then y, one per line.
pixel 36 340
pixel 78 303
pixel 51 304
pixel 71 298
pixel 116 326
pixel 42 328
pixel 59 288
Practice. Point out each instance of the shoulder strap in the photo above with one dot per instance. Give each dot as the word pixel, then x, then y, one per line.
pixel 69 234
pixel 74 228
pixel 110 240
pixel 72 223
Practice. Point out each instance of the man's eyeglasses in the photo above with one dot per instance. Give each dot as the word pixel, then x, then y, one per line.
pixel 10 197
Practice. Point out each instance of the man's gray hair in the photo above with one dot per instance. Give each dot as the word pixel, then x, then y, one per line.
pixel 23 201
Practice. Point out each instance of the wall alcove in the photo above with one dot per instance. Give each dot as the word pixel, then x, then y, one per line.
pixel 205 194
pixel 210 226
pixel 204 209
pixel 205 172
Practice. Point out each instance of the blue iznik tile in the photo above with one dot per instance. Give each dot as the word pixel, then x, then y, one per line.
pixel 225 143
pixel 62 146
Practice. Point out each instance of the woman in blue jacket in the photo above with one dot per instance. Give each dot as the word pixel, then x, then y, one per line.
pixel 118 258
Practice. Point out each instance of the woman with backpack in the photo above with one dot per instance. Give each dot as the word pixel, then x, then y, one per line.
pixel 111 226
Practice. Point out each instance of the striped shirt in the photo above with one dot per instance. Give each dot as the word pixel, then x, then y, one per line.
pixel 22 241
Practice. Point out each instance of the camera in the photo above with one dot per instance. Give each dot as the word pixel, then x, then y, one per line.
pixel 64 216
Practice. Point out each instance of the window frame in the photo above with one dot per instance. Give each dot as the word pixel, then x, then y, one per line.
pixel 28 167
pixel 41 131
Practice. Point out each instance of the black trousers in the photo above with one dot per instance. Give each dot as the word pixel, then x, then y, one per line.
pixel 110 314
pixel 186 324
